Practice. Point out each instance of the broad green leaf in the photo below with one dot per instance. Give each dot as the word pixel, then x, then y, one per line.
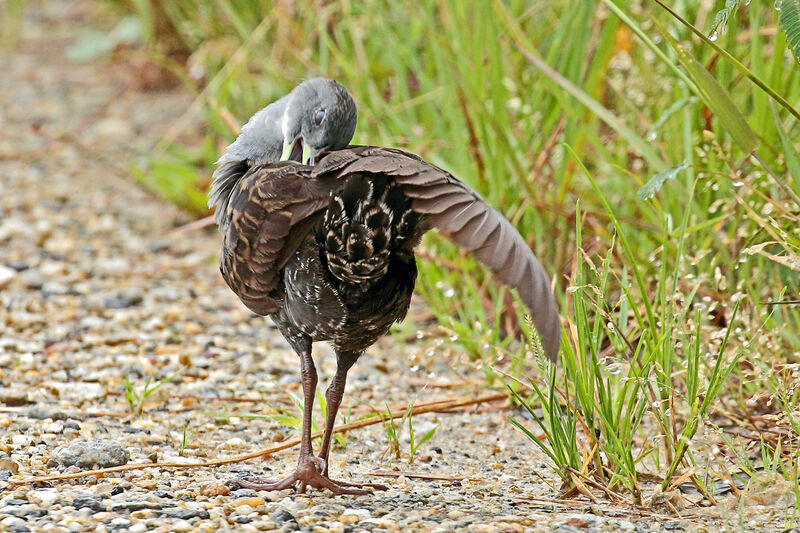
pixel 728 57
pixel 656 182
pixel 715 97
pixel 789 23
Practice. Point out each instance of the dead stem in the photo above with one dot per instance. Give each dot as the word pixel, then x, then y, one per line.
pixel 420 409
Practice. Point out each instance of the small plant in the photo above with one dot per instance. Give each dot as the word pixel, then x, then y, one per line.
pixel 187 436
pixel 413 444
pixel 558 424
pixel 286 417
pixel 392 434
pixel 394 431
pixel 136 399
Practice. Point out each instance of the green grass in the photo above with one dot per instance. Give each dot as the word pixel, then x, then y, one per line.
pixel 290 418
pixel 394 432
pixel 136 398
pixel 677 303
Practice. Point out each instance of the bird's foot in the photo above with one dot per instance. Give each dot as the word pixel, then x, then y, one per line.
pixel 310 473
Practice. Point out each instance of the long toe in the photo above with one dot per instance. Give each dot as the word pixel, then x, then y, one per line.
pixel 264 484
pixel 305 477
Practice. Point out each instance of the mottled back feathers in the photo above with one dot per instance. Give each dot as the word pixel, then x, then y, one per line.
pixel 365 223
pixel 368 204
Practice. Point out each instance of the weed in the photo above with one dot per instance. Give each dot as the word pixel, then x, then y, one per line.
pixel 292 418
pixel 136 399
pixel 187 436
pixel 394 430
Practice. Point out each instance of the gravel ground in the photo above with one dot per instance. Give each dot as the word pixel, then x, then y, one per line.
pixel 94 290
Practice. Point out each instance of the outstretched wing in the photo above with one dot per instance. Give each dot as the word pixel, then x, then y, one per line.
pixel 465 218
pixel 270 213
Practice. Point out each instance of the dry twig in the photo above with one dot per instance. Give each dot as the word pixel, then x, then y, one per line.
pixel 423 408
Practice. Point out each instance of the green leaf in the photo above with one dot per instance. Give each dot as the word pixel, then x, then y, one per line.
pixel 656 182
pixel 127 31
pixel 789 152
pixel 425 438
pixel 721 20
pixel 789 23
pixel 94 44
pixel 91 45
pixel 715 97
pixel 729 58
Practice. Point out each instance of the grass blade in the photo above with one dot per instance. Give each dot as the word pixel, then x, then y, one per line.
pixel 735 62
pixel 715 97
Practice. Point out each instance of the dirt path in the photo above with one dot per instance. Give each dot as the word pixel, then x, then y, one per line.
pixel 94 289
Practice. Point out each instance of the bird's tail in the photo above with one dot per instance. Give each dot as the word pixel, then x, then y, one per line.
pixel 365 225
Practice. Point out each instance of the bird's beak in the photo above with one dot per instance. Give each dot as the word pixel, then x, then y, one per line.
pixel 297 151
pixel 310 156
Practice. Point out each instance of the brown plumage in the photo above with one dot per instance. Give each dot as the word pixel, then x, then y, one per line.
pixel 327 250
pixel 276 206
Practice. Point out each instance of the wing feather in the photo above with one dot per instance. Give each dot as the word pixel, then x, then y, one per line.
pixel 461 214
pixel 268 216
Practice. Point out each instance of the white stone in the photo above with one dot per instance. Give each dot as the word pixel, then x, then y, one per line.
pixel 362 514
pixel 235 442
pixel 53 427
pixel 21 441
pixel 181 525
pixel 44 497
pixel 12 522
pixel 6 275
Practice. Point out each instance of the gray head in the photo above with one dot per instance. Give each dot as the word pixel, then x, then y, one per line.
pixel 318 115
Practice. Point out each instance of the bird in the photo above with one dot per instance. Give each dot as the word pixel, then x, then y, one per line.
pixel 319 235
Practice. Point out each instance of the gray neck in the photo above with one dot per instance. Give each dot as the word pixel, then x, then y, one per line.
pixel 261 141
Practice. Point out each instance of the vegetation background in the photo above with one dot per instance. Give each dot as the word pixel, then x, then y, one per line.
pixel 648 153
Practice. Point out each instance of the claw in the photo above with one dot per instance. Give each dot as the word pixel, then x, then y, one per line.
pixel 309 474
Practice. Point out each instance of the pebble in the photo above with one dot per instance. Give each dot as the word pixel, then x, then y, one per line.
pixel 185 514
pixel 42 413
pixel 13 397
pixel 99 453
pixel 122 299
pixel 90 501
pixel 44 497
pixel 21 441
pixel 252 502
pixel 354 516
pixel 6 275
pixel 120 523
pixel 7 465
pixel 14 523
pixel 53 427
pixel 216 489
pixel 282 516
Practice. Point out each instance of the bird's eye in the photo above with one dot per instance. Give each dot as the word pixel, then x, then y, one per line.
pixel 319 117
